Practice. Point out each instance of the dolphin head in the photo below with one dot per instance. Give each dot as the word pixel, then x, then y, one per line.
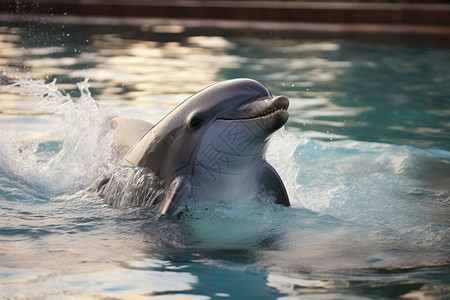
pixel 234 116
pixel 244 101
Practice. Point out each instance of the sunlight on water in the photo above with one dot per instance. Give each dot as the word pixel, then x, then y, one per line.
pixel 128 283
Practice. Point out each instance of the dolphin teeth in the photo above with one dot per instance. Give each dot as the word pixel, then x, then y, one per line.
pixel 268 112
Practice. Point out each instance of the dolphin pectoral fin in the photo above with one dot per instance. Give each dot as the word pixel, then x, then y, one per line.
pixel 270 180
pixel 177 190
pixel 101 185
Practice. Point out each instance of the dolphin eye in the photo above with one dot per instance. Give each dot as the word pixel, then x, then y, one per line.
pixel 195 123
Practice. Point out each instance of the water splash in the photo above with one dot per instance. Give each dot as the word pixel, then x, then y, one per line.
pixel 133 186
pixel 280 154
pixel 57 166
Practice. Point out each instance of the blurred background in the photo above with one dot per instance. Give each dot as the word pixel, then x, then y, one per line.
pixel 418 16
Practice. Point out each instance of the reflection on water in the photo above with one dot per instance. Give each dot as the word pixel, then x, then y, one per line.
pixel 365 161
pixel 131 284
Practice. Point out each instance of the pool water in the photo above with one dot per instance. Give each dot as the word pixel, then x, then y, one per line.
pixel 365 157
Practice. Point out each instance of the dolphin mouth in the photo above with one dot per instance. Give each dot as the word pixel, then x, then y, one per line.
pixel 260 109
pixel 269 112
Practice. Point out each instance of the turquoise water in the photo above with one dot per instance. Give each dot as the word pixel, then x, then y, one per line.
pixel 365 157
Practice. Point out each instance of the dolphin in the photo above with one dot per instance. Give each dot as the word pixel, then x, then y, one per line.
pixel 210 147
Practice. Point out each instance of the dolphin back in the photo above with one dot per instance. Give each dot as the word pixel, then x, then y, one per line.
pixel 126 132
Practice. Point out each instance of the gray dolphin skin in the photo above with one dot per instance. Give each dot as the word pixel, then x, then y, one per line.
pixel 211 147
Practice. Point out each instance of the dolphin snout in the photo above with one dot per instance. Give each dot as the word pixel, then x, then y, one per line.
pixel 281 102
pixel 281 114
